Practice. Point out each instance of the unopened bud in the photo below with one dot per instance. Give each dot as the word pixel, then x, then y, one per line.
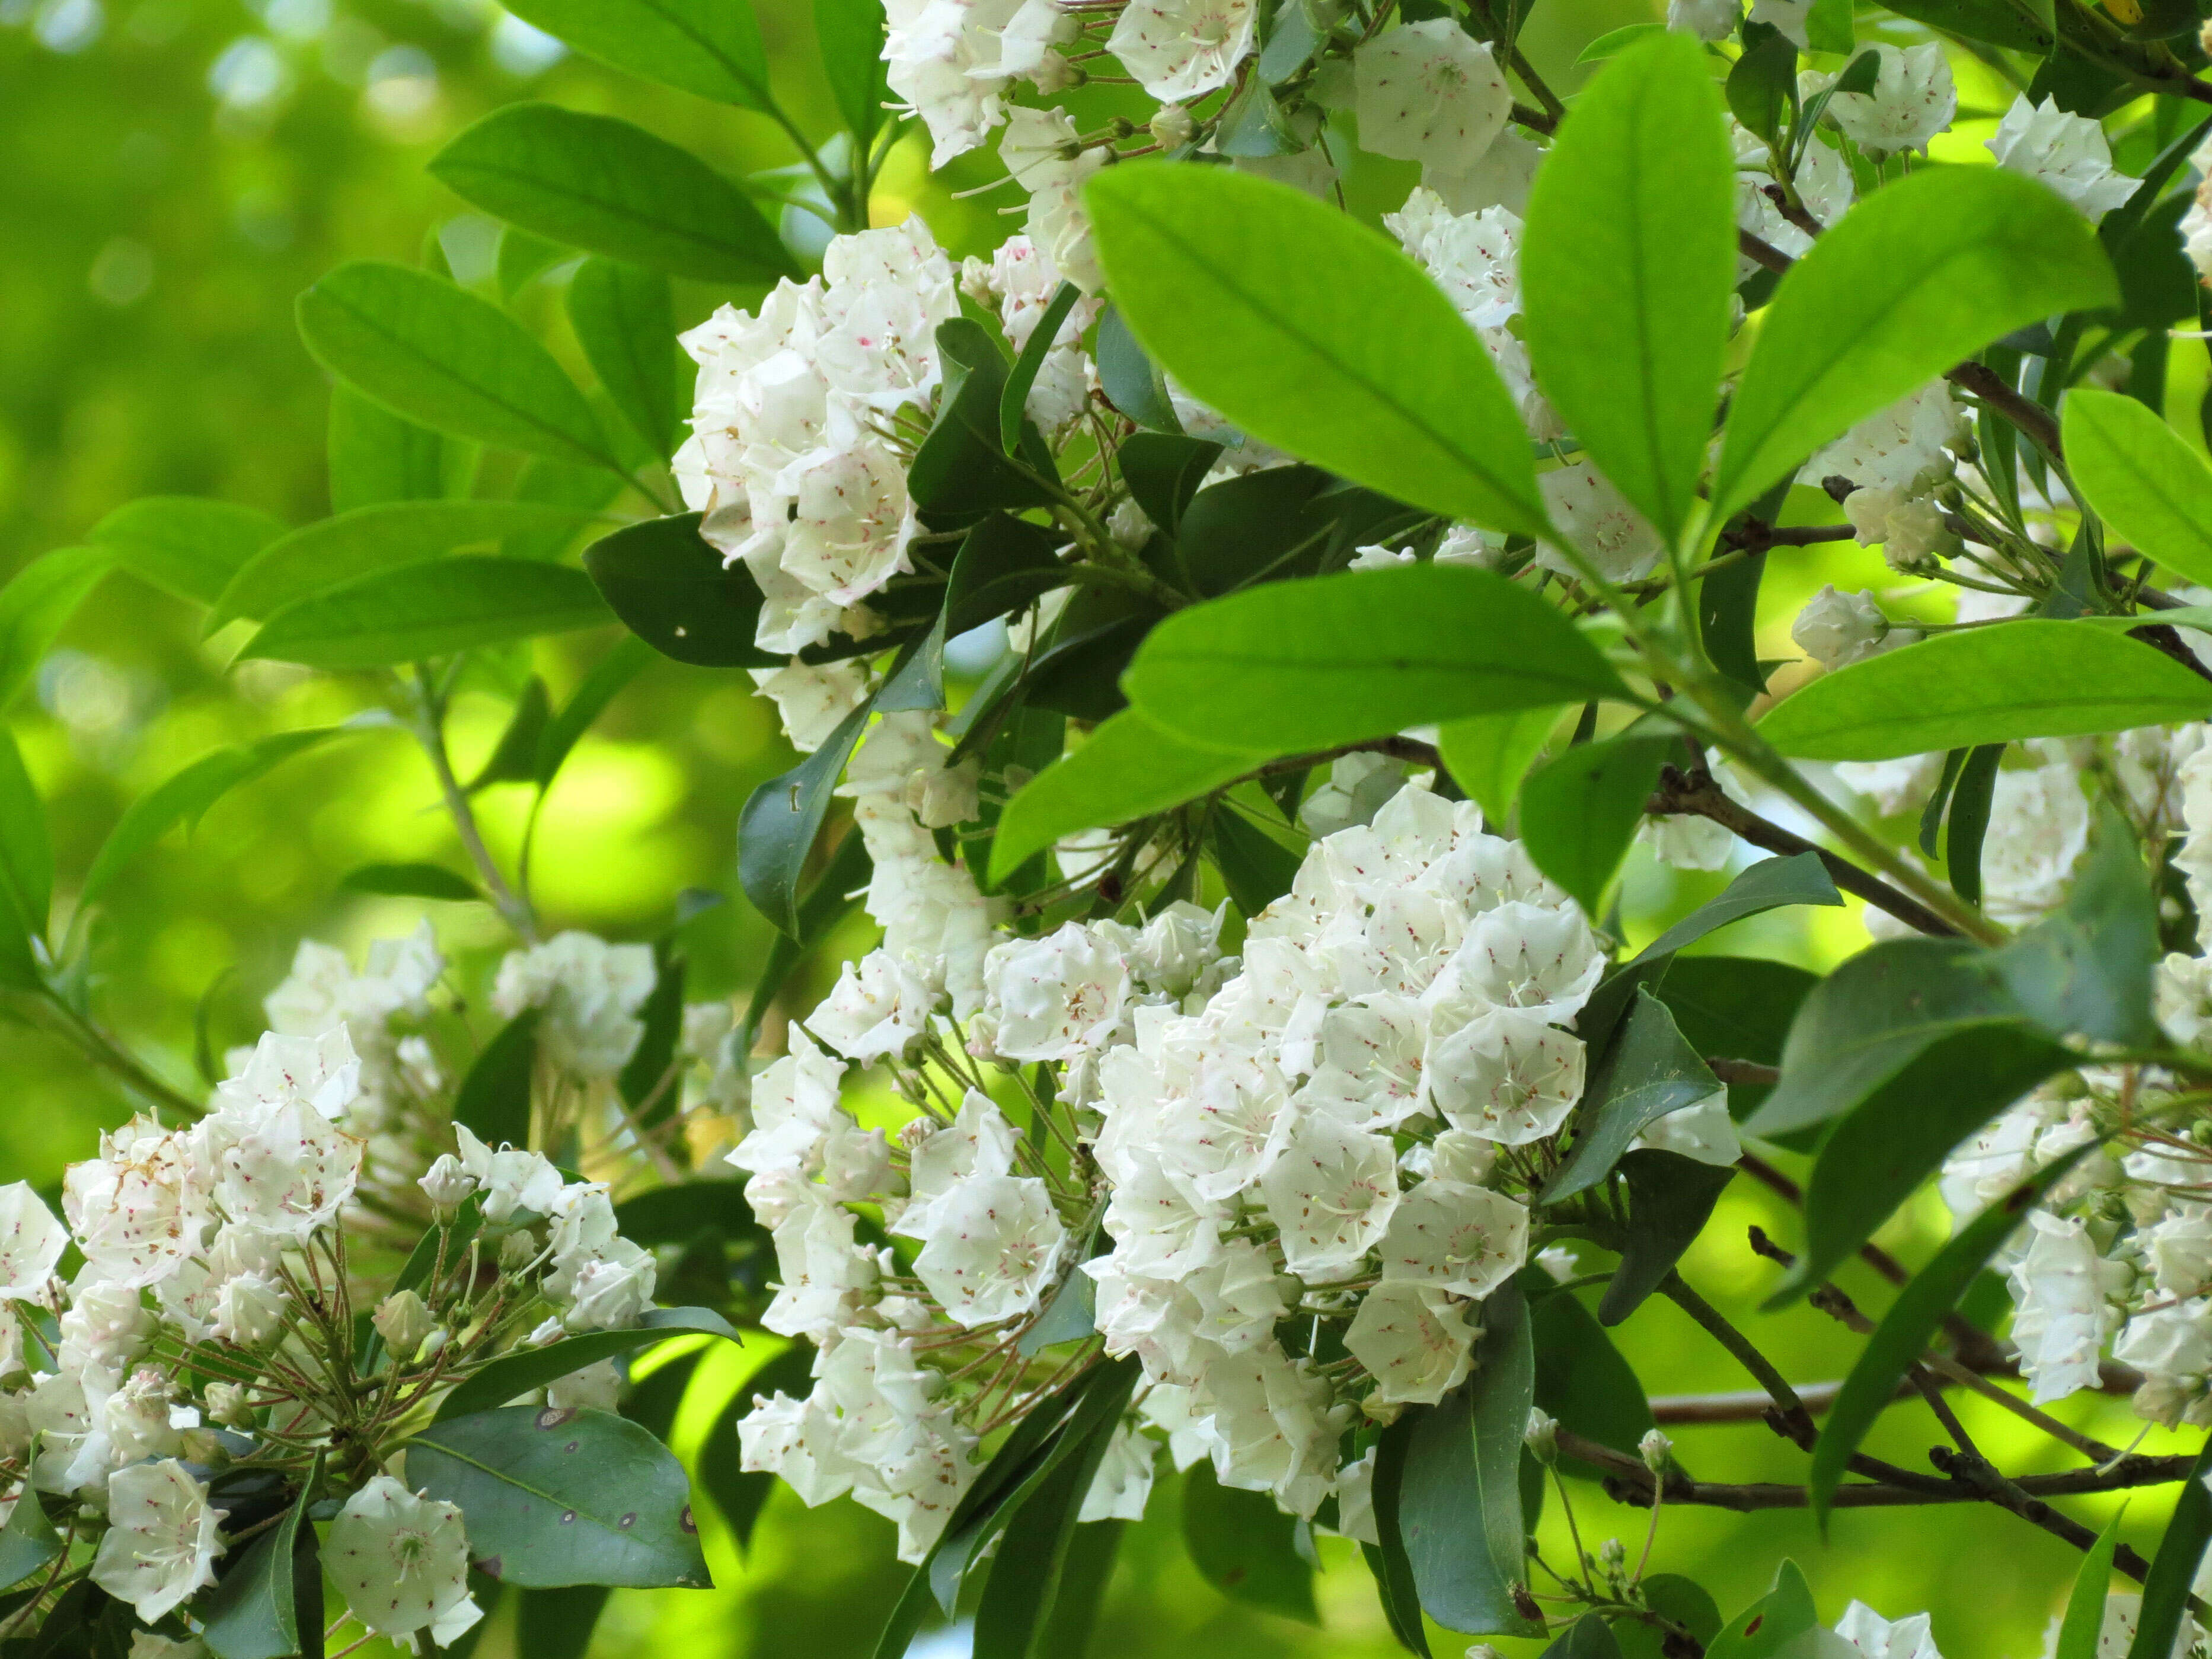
pixel 1613 1554
pixel 1174 126
pixel 446 1184
pixel 1484 1650
pixel 517 1251
pixel 228 1404
pixel 1543 1436
pixel 1657 1450
pixel 2204 39
pixel 1057 75
pixel 402 1320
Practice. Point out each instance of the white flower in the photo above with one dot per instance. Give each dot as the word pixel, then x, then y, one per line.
pixel 1877 1637
pixel 1057 996
pixel 2038 829
pixel 1180 49
pixel 1505 1075
pixel 2183 993
pixel 2066 152
pixel 1542 959
pixel 284 1168
pixel 140 1208
pixel 511 1178
pixel 1909 527
pixel 979 1142
pixel 322 1071
pixel 1124 1480
pixel 878 1008
pixel 591 992
pixel 1703 1130
pixel 1473 257
pixel 2060 1325
pixel 1617 539
pixel 31 1244
pixel 1331 1192
pixel 1907 448
pixel 1709 20
pixel 942 57
pixel 446 1184
pixel 1655 1450
pixel 810 701
pixel 1447 1236
pixel 403 1562
pixel 1913 99
pixel 249 1310
pixel 1837 630
pixel 993 1244
pixel 901 758
pixel 1430 92
pixel 595 1388
pixel 1355 1499
pixel 162 1539
pixel 1415 1345
pixel 402 1320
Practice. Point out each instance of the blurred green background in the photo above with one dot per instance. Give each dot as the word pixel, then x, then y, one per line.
pixel 176 172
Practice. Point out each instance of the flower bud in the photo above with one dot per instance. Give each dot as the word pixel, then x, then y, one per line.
pixel 402 1320
pixel 1543 1436
pixel 1484 1650
pixel 445 1185
pixel 1613 1554
pixel 249 1309
pixel 1057 75
pixel 1657 1450
pixel 517 1251
pixel 1173 127
pixel 229 1403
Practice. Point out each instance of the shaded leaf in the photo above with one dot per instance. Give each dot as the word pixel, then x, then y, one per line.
pixel 1002 566
pixel 253 1612
pixel 1582 1378
pixel 2173 1576
pixel 2084 1620
pixel 521 1370
pixel 1013 400
pixel 851 35
pixel 1387 1562
pixel 1164 471
pixel 782 817
pixel 598 688
pixel 427 881
pixel 2086 971
pixel 835 895
pixel 493 1102
pixel 1255 867
pixel 1241 1544
pixel 558 1624
pixel 184 545
pixel 1646 1072
pixel 625 320
pixel 675 592
pixel 1670 1199
pixel 430 610
pixel 27 1542
pixel 1132 381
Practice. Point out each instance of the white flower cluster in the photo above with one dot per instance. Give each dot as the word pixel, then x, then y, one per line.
pixel 1318 1135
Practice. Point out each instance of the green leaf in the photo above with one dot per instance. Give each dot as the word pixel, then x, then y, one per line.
pixel 1627 282
pixel 1770 1624
pixel 558 1624
pixel 960 469
pixel 710 47
pixel 1646 1072
pixel 1263 302
pixel 1127 768
pixel 26 852
pixel 2135 474
pixel 27 1542
pixel 835 895
pixel 426 881
pixel 448 361
pixel 781 819
pixel 522 258
pixel 253 1612
pixel 1769 885
pixel 739 1493
pixel 1922 273
pixel 522 1369
pixel 1582 1378
pixel 2019 25
pixel 599 687
pixel 186 797
pixel 1489 756
pixel 1387 1562
pixel 2084 1621
pixel 1906 1330
pixel 1588 1637
pixel 2173 1577
pixel 1004 564
pixel 648 1086
pixel 1670 1199
pixel 1828 27
pixel 556 1498
pixel 319 557
pixel 184 545
pixel 851 35
pixel 675 592
pixel 2086 971
pixel 1762 84
pixel 1255 867
pixel 1164 472
pixel 493 1102
pixel 1241 1543
pixel 1865 1022
pixel 1878 1154
pixel 37 604
pixel 610 188
pixel 2015 680
pixel 1132 381
pixel 1615 40
pixel 1084 1576
pixel 430 610
pixel 1579 813
pixel 1459 1503
pixel 1290 666
pixel 377 457
pixel 1973 792
pixel 1025 1585
pixel 1015 398
pixel 581 490
pixel 625 320
pixel 513 759
pixel 1736 1008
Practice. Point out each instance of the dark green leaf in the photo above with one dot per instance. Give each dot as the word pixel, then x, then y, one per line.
pixel 377 457
pixel 1769 885
pixel 2166 1590
pixel 1906 1330
pixel 1579 813
pixel 610 188
pixel 1262 526
pixel 675 592
pixel 1924 272
pixel 1627 287
pixel 960 469
pixel 1263 301
pixel 625 320
pixel 428 881
pixel 1762 85
pixel 778 828
pixel 1489 756
pixel 253 1612
pixel 1164 471
pixel 1588 1637
pixel 1646 1072
pixel 1014 399
pixel 27 1542
pixel 1084 1576
pixel 1393 1572
pixel 1130 379
pixel 430 610
pixel 586 703
pixel 834 896
pixel 1004 564
pixel 1019 1596
pixel 711 47
pixel 521 1370
pixel 1770 1624
pixel 2086 971
pixel 184 545
pixel 1973 792
pixel 1292 666
pixel 1255 867
pixel 558 1624
pixel 37 604
pixel 1736 1008
pixel 1863 1023
pixel 513 758
pixel 2084 1621
pixel 646 1081
pixel 1881 1152
pixel 851 34
pixel 559 1497
pixel 448 361
pixel 1670 1199
pixel 1582 1378
pixel 493 1102
pixel 1239 1542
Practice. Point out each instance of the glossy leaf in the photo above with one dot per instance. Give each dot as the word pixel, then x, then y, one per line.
pixel 1127 768
pixel 835 893
pixel 37 604
pixel 1911 1321
pixel 962 468
pixel 782 817
pixel 449 361
pixel 1627 282
pixel 493 1102
pixel 27 1542
pixel 426 881
pixel 1770 1624
pixel 2167 1588
pixel 1387 1561
pixel 2086 970
pixel 1924 272
pixel 1130 379
pixel 184 545
pixel 1255 867
pixel 1013 401
pixel 625 320
pixel 1489 756
pixel 1025 1585
pixel 647 1082
pixel 2030 678
pixel 558 1624
pixel 1582 1379
pixel 1868 1019
pixel 1736 1008
pixel 2136 473
pixel 1290 666
pixel 610 188
pixel 1670 1199
pixel 1973 792
pixel 1164 472
pixel 675 592
pixel 1263 301
pixel 253 1612
pixel 710 47
pixel 1646 1072
pixel 1579 813
pixel 377 456
pixel 1877 1155
pixel 851 35
pixel 1459 1503
pixel 2084 1619
pixel 1769 885
pixel 430 610
pixel 524 1369
pixel 1084 1578
pixel 1588 1637
pixel 1241 1544
pixel 1003 565
pixel 557 1497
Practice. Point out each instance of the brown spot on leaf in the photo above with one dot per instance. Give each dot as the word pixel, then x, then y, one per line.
pixel 683 1520
pixel 553 1417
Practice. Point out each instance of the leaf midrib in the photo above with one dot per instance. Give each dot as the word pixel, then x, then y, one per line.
pixel 695 237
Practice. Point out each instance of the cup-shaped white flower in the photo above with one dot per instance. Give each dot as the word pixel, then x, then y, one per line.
pixel 1446 1236
pixel 994 1242
pixel 31 1243
pixel 1331 1193
pixel 1414 1345
pixel 1543 960
pixel 161 1540
pixel 403 1562
pixel 1505 1075
pixel 1180 49
pixel 1430 92
pixel 1055 997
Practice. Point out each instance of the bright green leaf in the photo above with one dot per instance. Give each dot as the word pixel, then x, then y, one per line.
pixel 710 47
pixel 430 610
pixel 2136 475
pixel 851 35
pixel 375 456
pixel 1579 813
pixel 37 604
pixel 2079 1632
pixel 27 853
pixel 184 545
pixel 524 1369
pixel 1489 756
pixel 625 320
pixel 1769 885
pixel 2086 970
pixel 598 688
